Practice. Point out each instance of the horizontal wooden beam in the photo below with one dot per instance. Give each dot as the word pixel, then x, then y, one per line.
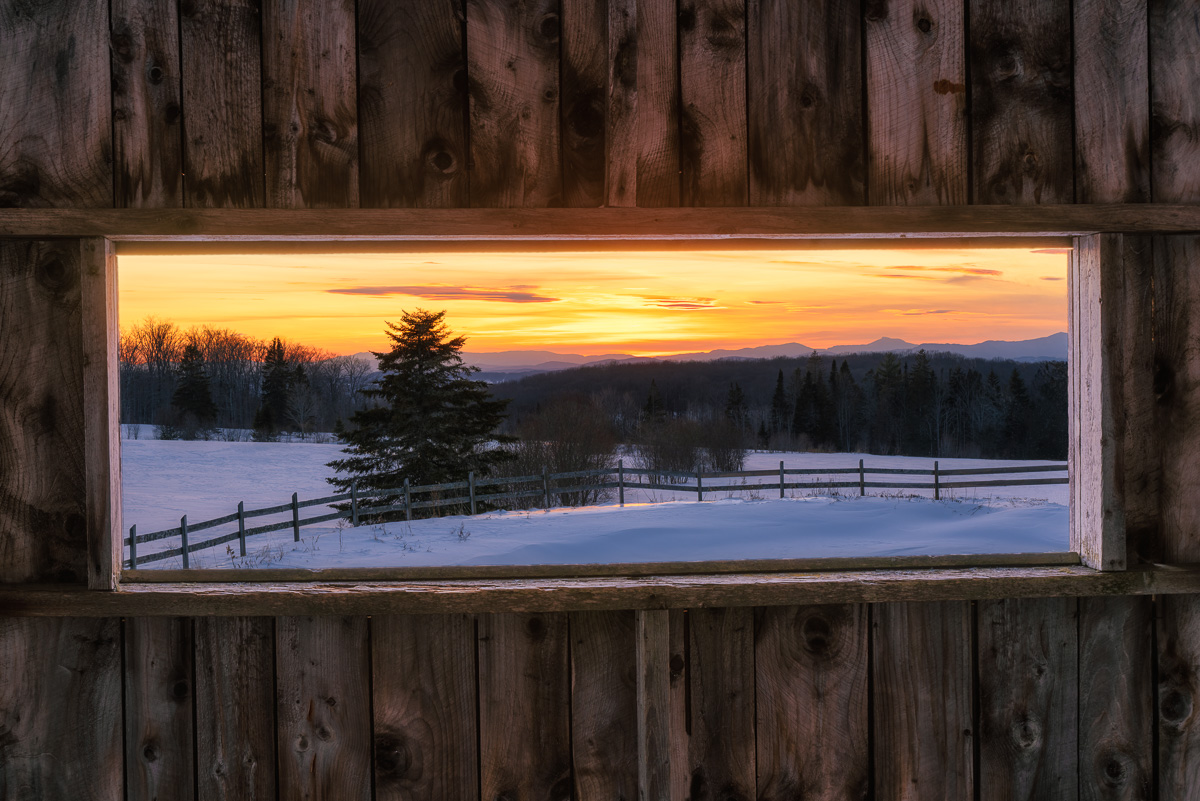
pixel 552 595
pixel 710 224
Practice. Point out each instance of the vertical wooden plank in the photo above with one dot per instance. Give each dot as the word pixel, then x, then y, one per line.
pixel 235 696
pixel 712 69
pixel 604 705
pixel 524 707
pixel 585 72
pixel 622 144
pixel 1112 101
pixel 917 102
pixel 57 109
pixel 222 103
pixel 43 481
pixel 655 138
pixel 102 412
pixel 654 724
pixel 310 104
pixel 147 104
pixel 811 702
pixel 1116 699
pixel 513 64
pixel 322 683
pixel 1178 695
pixel 412 86
pixel 721 759
pixel 1028 698
pixel 423 669
pixel 158 708
pixel 679 699
pixel 805 103
pixel 1174 102
pixel 1021 101
pixel 924 730
pixel 60 708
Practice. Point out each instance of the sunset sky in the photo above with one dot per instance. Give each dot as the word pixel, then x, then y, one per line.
pixel 642 303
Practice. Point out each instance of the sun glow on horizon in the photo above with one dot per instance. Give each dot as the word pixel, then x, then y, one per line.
pixel 640 303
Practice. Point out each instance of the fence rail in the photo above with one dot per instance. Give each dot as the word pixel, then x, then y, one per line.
pixel 691 482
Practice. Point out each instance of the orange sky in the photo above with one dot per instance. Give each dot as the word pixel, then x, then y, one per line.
pixel 636 302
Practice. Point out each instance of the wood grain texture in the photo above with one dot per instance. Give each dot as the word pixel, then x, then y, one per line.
pixel 310 103
pixel 322 683
pixel 1177 697
pixel 412 68
pixel 60 709
pixel 1021 101
pixel 656 143
pixel 159 724
pixel 712 70
pixel 924 730
pixel 1116 699
pixel 43 481
pixel 805 85
pixel 917 102
pixel 585 82
pixel 1174 102
pixel 811 666
pixel 513 64
pixel 652 630
pixel 147 104
pixel 57 109
pixel 524 703
pixel 622 141
pixel 424 698
pixel 221 42
pixel 604 705
pixel 679 690
pixel 720 690
pixel 1028 698
pixel 1112 101
pixel 235 692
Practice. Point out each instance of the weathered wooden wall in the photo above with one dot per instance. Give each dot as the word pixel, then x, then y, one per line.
pixel 423 103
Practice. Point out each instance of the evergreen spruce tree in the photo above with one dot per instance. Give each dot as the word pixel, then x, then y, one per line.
pixel 654 408
pixel 278 377
pixel 735 406
pixel 779 407
pixel 432 422
pixel 192 402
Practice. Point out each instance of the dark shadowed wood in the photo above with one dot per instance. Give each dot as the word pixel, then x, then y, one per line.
pixel 309 104
pixel 805 103
pixel 811 702
pixel 102 411
pixel 146 100
pixel 1175 103
pixel 423 670
pixel 1021 101
pixel 60 709
pixel 235 693
pixel 657 134
pixel 1028 698
pixel 604 705
pixel 721 759
pixel 322 683
pixel 1177 697
pixel 585 82
pixel 1116 699
pixel 679 690
pixel 411 67
pixel 917 101
pixel 222 103
pixel 159 747
pixel 43 486
pixel 622 143
pixel 712 74
pixel 652 630
pixel 924 731
pixel 1112 101
pixel 56 115
pixel 513 65
pixel 524 707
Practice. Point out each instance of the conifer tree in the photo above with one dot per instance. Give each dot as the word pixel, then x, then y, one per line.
pixel 779 407
pixel 192 400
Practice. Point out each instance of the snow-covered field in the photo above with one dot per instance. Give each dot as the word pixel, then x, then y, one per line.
pixel 163 480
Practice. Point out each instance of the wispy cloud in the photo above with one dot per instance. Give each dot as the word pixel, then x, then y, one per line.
pixel 446 293
pixel 682 304
pixel 1053 278
pixel 915 312
pixel 765 302
pixel 1052 250
pixel 958 270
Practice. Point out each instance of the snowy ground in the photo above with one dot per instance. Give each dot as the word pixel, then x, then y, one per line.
pixel 163 480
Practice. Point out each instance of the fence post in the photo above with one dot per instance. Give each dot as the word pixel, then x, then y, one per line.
pixel 296 517
pixel 242 525
pixel 699 486
pixel 862 482
pixel 183 536
pixel 471 488
pixel 780 478
pixel 133 547
pixel 545 488
pixel 407 501
pixel 354 502
pixel 621 480
pixel 937 490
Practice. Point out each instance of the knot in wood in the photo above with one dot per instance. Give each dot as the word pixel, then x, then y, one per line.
pixel 548 27
pixel 924 25
pixel 155 74
pixel 1175 707
pixel 1026 733
pixel 150 753
pixel 1113 769
pixel 179 690
pixel 1006 66
pixel 324 733
pixel 302 743
pixel 53 275
pixel 535 627
pixel 816 632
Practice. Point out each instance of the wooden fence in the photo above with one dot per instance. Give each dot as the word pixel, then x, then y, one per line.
pixel 615 478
